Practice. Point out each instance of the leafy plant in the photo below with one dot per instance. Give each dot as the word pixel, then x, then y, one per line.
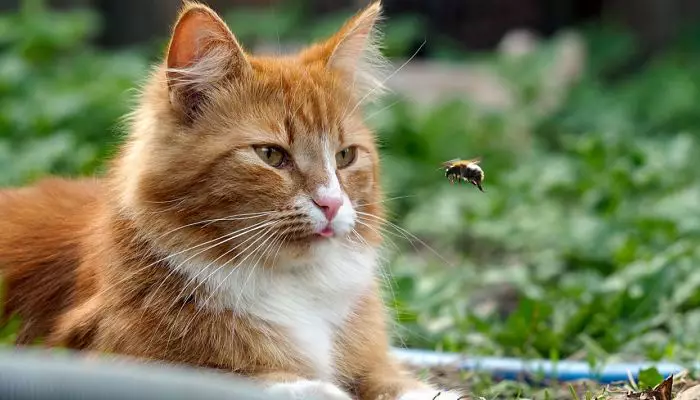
pixel 585 241
pixel 61 98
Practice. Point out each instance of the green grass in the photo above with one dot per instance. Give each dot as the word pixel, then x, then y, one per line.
pixel 585 244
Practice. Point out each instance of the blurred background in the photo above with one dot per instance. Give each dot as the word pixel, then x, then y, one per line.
pixel 586 114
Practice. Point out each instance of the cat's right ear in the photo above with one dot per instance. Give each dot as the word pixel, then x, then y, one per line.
pixel 203 53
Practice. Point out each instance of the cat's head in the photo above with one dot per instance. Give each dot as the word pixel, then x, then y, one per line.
pixel 244 155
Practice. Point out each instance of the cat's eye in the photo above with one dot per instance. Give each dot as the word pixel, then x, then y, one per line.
pixel 272 155
pixel 344 158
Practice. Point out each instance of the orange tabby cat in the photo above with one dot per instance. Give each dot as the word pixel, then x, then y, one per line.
pixel 236 228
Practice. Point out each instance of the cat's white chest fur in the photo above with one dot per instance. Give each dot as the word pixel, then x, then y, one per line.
pixel 308 302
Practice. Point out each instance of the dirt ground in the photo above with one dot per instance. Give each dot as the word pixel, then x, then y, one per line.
pixel 679 387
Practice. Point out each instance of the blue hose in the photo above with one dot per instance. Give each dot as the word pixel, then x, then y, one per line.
pixel 518 369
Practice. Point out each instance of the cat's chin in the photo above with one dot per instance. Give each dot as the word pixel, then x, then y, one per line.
pixel 301 251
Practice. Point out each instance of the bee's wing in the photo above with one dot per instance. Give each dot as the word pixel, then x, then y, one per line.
pixel 474 160
pixel 449 163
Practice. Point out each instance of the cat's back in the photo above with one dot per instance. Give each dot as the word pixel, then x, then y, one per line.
pixel 60 192
pixel 41 230
pixel 51 208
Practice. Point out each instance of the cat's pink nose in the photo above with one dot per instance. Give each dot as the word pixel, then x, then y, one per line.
pixel 329 205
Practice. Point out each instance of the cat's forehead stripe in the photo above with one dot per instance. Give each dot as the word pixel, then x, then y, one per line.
pixel 289 128
pixel 309 111
pixel 309 104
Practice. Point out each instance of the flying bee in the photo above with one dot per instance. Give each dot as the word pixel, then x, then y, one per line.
pixel 464 170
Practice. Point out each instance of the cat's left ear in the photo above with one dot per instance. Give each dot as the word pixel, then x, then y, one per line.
pixel 354 51
pixel 203 54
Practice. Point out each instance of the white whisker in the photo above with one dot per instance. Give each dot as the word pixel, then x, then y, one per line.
pixel 131 274
pixel 378 87
pixel 381 110
pixel 378 231
pixel 226 238
pixel 211 221
pixel 386 200
pixel 407 235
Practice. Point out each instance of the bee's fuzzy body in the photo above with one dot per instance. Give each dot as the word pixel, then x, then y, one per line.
pixel 464 171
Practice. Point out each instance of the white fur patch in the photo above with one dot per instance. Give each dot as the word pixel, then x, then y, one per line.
pixel 308 301
pixel 430 394
pixel 332 188
pixel 303 390
pixel 344 220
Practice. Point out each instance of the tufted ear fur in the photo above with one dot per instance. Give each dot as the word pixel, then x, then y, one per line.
pixel 354 51
pixel 203 53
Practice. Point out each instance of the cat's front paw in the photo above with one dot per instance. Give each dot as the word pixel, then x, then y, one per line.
pixel 432 394
pixel 308 390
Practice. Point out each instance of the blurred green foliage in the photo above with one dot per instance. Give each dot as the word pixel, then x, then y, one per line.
pixel 60 99
pixel 584 244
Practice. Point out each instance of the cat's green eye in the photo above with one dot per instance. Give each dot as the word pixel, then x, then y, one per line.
pixel 344 158
pixel 272 155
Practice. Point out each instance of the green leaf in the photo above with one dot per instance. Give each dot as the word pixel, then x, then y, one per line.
pixel 649 378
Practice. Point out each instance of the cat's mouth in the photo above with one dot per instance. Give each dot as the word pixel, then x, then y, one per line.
pixel 318 235
pixel 326 232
